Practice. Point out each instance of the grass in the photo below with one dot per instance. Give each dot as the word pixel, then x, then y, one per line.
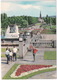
pixel 3 49
pixel 7 76
pixel 53 26
pixel 38 24
pixel 48 32
pixel 50 55
pixel 48 27
pixel 3 55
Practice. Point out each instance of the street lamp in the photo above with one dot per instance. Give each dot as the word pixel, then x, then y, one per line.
pixel 50 23
pixel 27 21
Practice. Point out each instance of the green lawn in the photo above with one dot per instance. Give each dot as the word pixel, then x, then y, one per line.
pixel 48 27
pixel 3 49
pixel 50 55
pixel 38 24
pixel 7 76
pixel 53 26
pixel 3 55
pixel 48 32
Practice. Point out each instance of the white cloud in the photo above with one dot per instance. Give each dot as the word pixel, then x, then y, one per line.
pixel 7 6
pixel 28 0
pixel 29 9
pixel 52 2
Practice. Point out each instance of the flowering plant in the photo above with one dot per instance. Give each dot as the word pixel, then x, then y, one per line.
pixel 26 68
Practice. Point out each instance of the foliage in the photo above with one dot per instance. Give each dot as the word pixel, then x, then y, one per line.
pixel 19 20
pixel 50 20
pixel 32 20
pixel 49 26
pixel 37 24
pixel 47 31
pixel 7 76
pixel 3 16
pixel 24 23
pixel 50 55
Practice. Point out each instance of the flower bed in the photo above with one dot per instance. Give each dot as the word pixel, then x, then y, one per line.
pixel 23 70
pixel 26 68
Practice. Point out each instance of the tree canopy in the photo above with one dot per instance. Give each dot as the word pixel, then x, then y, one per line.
pixel 23 21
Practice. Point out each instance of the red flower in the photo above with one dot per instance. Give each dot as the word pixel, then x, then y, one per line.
pixel 26 68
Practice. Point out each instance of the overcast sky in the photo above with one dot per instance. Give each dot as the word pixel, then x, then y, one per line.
pixel 29 8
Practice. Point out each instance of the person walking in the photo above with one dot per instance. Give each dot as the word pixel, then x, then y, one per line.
pixel 10 54
pixel 14 53
pixel 7 55
pixel 34 52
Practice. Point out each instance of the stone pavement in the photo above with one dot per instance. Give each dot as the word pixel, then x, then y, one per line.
pixel 46 75
pixel 28 59
pixel 39 59
pixel 5 67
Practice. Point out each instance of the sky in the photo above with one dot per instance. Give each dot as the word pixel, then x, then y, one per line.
pixel 28 8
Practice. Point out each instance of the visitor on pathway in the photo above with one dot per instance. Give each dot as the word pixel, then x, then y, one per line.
pixel 7 55
pixel 34 52
pixel 14 53
pixel 10 54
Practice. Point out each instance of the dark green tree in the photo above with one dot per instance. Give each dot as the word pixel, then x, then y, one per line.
pixel 24 23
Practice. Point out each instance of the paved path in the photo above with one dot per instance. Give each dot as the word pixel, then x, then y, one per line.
pixel 46 75
pixel 28 59
pixel 39 59
pixel 5 67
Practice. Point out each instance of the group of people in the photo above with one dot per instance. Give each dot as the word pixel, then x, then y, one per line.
pixel 11 54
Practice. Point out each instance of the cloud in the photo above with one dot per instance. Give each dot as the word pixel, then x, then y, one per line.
pixel 27 0
pixel 47 3
pixel 7 6
pixel 25 8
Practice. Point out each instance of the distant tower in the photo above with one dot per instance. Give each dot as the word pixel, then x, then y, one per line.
pixel 40 14
pixel 40 19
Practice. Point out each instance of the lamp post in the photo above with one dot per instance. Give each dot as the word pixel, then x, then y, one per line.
pixel 21 47
pixel 27 21
pixel 50 23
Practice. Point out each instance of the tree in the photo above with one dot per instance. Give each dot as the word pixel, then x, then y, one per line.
pixel 24 23
pixel 3 16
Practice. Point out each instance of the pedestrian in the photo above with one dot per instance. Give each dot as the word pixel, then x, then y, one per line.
pixel 14 53
pixel 34 52
pixel 10 54
pixel 7 55
pixel 31 47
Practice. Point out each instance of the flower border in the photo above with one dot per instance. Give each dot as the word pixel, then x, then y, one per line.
pixel 26 73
